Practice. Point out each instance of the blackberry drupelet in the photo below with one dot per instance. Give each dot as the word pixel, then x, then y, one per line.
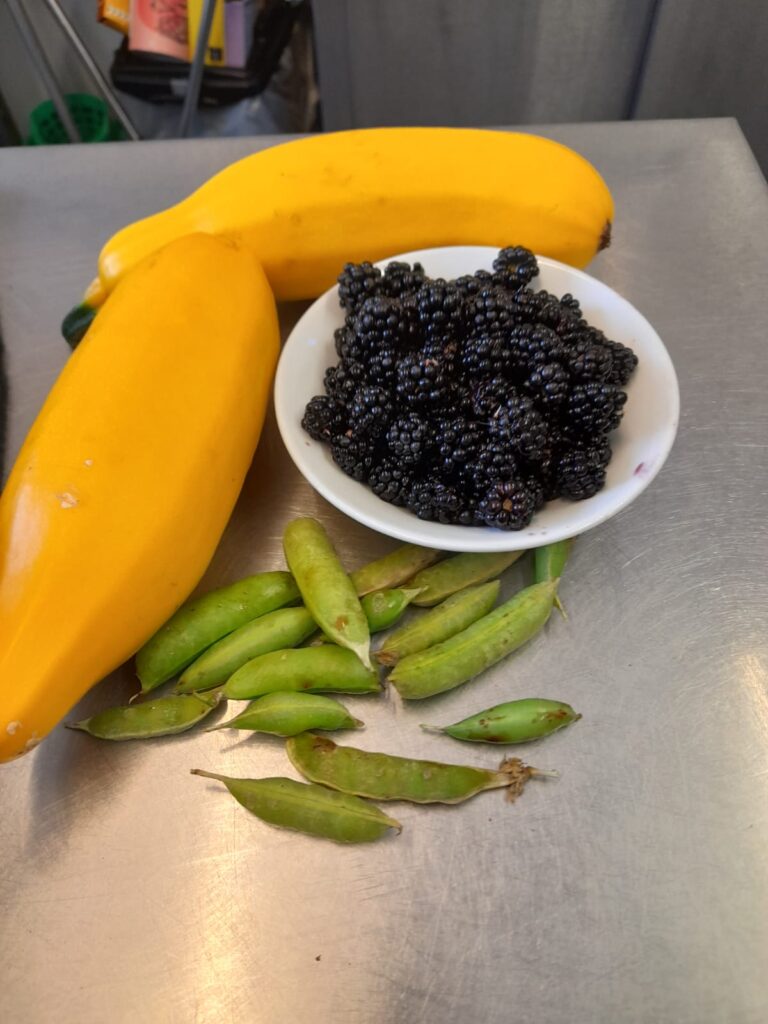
pixel 408 438
pixel 519 423
pixel 515 266
pixel 324 417
pixel 507 505
pixel 356 282
pixel 593 409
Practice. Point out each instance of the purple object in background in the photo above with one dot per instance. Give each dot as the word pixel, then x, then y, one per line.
pixel 239 22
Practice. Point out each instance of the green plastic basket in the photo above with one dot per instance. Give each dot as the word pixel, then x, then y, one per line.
pixel 90 114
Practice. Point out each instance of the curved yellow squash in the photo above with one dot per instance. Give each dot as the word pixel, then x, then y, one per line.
pixel 309 206
pixel 128 476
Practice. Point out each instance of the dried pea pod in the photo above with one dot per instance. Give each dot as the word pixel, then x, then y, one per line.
pixel 275 631
pixel 516 721
pixel 386 777
pixel 453 574
pixel 310 669
pixel 549 562
pixel 204 620
pixel 393 569
pixel 383 608
pixel 313 810
pixel 439 623
pixel 164 716
pixel 288 714
pixel 477 647
pixel 327 590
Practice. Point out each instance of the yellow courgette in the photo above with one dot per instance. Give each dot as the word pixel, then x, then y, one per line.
pixel 129 474
pixel 309 206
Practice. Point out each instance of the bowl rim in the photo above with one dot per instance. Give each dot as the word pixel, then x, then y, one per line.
pixel 478 539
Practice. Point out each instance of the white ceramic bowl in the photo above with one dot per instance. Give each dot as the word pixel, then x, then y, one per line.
pixel 640 446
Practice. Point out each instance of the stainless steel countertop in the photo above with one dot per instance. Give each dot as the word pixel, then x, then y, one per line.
pixel 633 890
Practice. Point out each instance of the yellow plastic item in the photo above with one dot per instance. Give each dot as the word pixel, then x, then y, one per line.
pixel 214 54
pixel 307 207
pixel 128 476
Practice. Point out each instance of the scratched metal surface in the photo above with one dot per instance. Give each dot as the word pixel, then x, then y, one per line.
pixel 633 890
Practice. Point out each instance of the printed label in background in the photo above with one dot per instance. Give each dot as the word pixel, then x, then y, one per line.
pixel 159 26
pixel 215 54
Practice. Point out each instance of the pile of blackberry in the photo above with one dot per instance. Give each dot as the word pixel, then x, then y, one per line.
pixel 471 401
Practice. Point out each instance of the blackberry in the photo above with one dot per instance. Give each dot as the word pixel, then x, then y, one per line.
pixel 577 475
pixel 495 462
pixel 471 284
pixel 323 418
pixel 624 362
pixel 402 279
pixel 421 380
pixel 515 266
pixel 519 423
pixel 348 346
pixel 370 411
pixel 507 505
pixel 478 356
pixel 353 455
pixel 439 308
pixel 532 345
pixel 381 322
pixel 380 368
pixel 588 360
pixel 571 304
pixel 435 500
pixel 490 309
pixel 550 311
pixel 458 442
pixel 593 409
pixel 356 282
pixel 488 396
pixel 548 385
pixel 343 380
pixel 408 438
pixel 391 481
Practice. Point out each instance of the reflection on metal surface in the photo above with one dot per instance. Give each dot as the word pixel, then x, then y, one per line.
pixel 632 890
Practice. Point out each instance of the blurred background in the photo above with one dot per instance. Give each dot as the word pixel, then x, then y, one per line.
pixel 280 66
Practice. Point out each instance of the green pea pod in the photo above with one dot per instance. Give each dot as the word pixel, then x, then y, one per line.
pixel 288 714
pixel 204 620
pixel 440 623
pixel 328 592
pixel 393 569
pixel 384 608
pixel 386 777
pixel 164 716
pixel 446 578
pixel 310 809
pixel 548 564
pixel 310 669
pixel 477 647
pixel 517 721
pixel 272 632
